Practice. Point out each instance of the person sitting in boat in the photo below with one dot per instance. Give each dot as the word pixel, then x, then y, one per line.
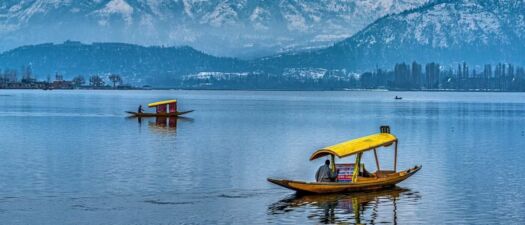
pixel 325 174
pixel 140 110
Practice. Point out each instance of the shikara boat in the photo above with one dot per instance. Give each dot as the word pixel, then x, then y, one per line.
pixel 166 108
pixel 354 177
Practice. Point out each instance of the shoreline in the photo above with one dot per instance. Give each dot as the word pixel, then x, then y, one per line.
pixel 264 90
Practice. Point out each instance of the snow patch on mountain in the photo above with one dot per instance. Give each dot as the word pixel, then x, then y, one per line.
pixel 116 7
pixel 215 75
pixel 222 14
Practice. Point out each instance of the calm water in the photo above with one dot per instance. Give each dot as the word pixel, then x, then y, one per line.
pixel 72 157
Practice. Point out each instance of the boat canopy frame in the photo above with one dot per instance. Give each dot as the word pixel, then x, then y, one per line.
pixel 358 147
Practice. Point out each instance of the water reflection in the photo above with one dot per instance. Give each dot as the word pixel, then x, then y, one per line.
pixel 357 208
pixel 162 124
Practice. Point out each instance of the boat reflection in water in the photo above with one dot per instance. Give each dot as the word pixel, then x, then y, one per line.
pixel 162 124
pixel 355 208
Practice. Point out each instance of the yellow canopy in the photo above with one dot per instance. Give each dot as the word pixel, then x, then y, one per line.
pixel 161 103
pixel 356 146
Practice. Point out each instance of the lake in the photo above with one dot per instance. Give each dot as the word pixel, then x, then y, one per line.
pixel 72 157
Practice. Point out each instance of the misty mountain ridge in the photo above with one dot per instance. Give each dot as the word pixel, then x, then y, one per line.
pixel 218 27
pixel 138 64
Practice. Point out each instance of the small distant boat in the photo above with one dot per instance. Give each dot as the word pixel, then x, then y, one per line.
pixel 166 108
pixel 398 98
pixel 354 177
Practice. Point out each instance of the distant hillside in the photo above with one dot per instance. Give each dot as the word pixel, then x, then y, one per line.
pixel 446 31
pixel 151 65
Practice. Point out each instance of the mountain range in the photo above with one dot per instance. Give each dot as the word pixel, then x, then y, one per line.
pixel 239 28
pixel 445 31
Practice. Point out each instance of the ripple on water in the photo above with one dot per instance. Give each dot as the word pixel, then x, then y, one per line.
pixel 160 202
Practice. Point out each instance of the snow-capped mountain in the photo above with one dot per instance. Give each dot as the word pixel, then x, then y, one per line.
pixel 220 27
pixel 446 31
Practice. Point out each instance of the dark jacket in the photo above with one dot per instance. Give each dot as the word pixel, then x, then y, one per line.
pixel 325 174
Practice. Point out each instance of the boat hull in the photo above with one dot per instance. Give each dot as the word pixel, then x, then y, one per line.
pixel 363 184
pixel 175 114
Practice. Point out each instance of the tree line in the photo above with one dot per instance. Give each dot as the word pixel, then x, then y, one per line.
pixel 9 78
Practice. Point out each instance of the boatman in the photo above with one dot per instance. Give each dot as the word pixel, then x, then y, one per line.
pixel 325 174
pixel 140 110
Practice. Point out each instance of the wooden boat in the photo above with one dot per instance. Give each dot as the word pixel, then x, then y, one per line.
pixel 166 108
pixel 363 184
pixel 359 179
